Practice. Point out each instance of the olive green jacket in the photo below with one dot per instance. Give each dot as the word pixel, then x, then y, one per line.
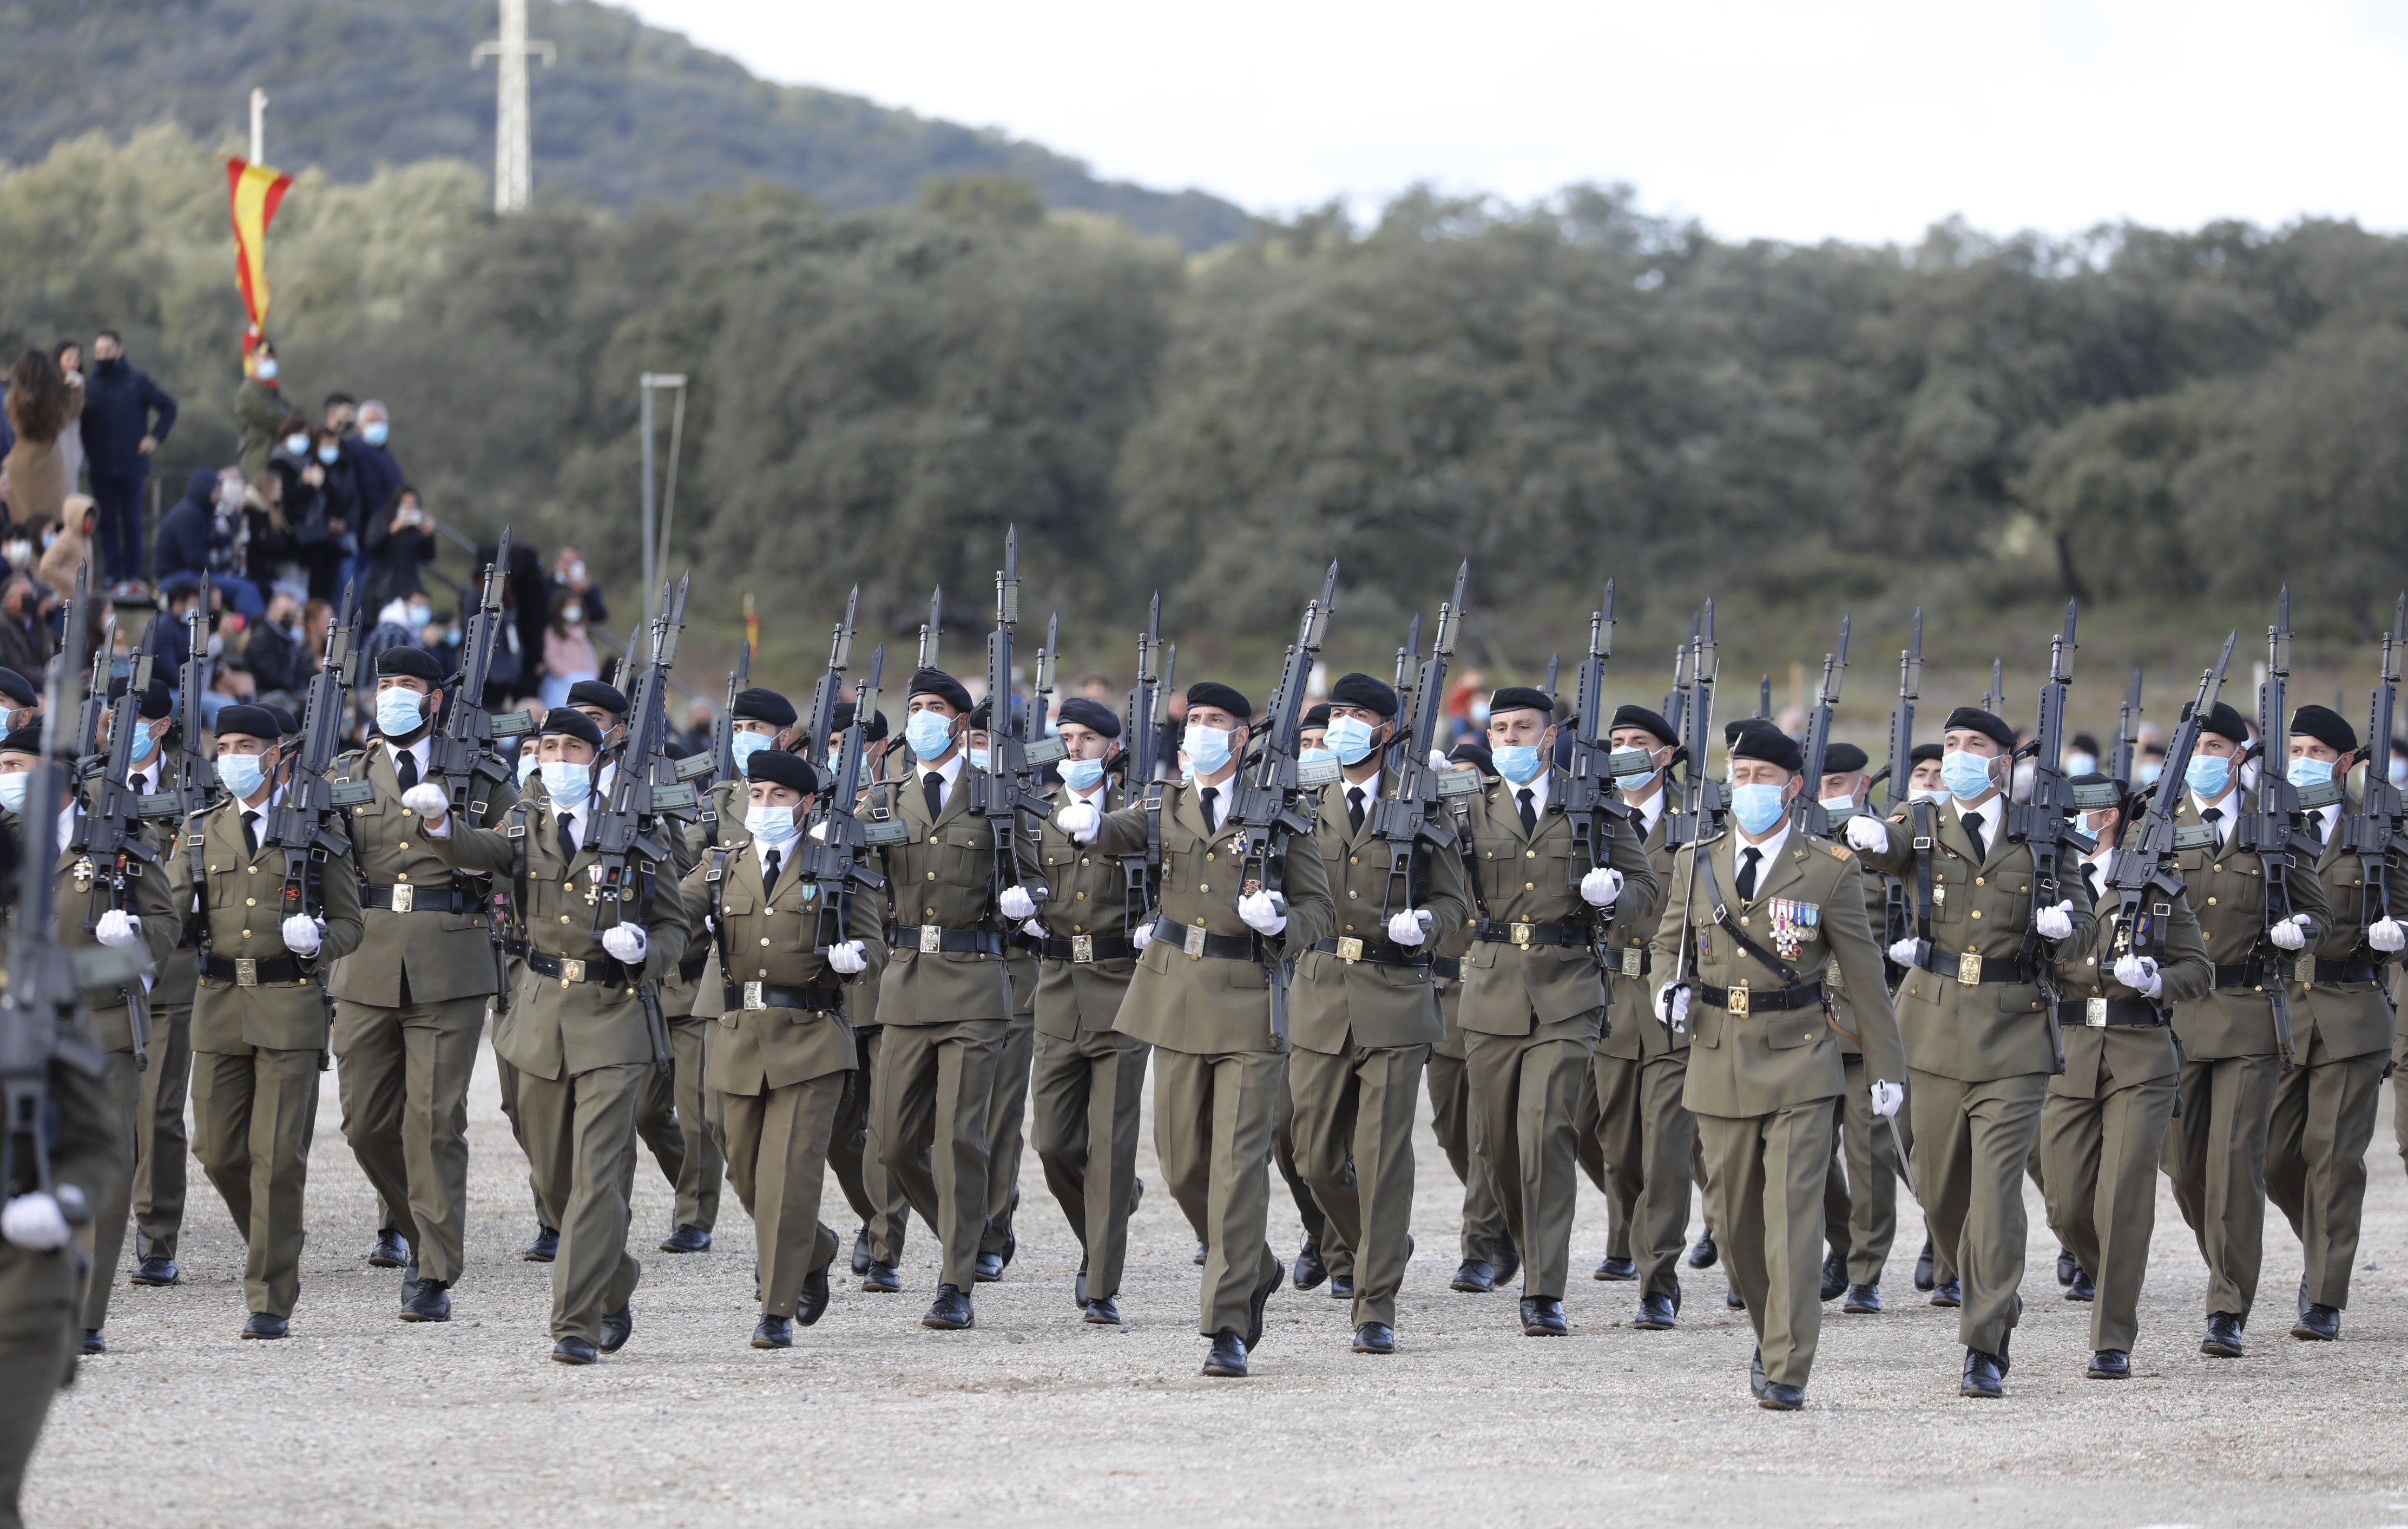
pixel 90 1149
pixel 944 875
pixel 2354 1018
pixel 106 1014
pixel 429 955
pixel 2123 1055
pixel 769 940
pixel 1632 942
pixel 1083 898
pixel 1340 1003
pixel 246 914
pixel 2228 891
pixel 691 991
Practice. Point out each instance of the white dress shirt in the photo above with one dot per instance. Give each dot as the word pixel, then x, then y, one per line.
pixel 949 774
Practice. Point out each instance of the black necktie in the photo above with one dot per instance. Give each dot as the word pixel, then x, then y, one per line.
pixel 1210 800
pixel 932 785
pixel 568 840
pixel 1973 831
pixel 768 872
pixel 1529 813
pixel 405 767
pixel 1746 882
pixel 2090 878
pixel 251 832
pixel 2212 817
pixel 1354 807
pixel 139 784
pixel 2316 825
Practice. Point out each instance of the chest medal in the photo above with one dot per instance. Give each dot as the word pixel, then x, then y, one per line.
pixel 1793 925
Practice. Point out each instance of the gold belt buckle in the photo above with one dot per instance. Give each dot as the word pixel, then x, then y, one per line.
pixel 752 996
pixel 2094 1014
pixel 1737 1001
pixel 246 971
pixel 932 940
pixel 404 897
pixel 1082 949
pixel 1350 949
pixel 1196 942
pixel 1522 934
pixel 1631 958
pixel 1969 970
pixel 571 971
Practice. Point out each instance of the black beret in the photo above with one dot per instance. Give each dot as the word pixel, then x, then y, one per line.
pixel 1521 698
pixel 1470 753
pixel 250 722
pixel 1088 714
pixel 759 705
pixel 2087 744
pixel 416 663
pixel 19 689
pixel 595 693
pixel 782 769
pixel 1367 691
pixel 936 682
pixel 1213 693
pixel 570 723
pixel 846 710
pixel 2225 722
pixel 1926 752
pixel 284 720
pixel 156 702
pixel 2324 725
pixel 27 739
pixel 1756 739
pixel 1843 760
pixel 1974 720
pixel 1635 716
pixel 1317 716
pixel 982 716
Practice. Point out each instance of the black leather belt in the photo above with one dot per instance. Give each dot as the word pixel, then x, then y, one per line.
pixel 1973 970
pixel 514 947
pixel 1082 949
pixel 1489 931
pixel 568 969
pixel 2097 1012
pixel 2354 968
pixel 777 995
pixel 404 898
pixel 246 971
pixel 1022 940
pixel 930 940
pixel 1192 942
pixel 1449 967
pixel 1742 1001
pixel 1631 961
pixel 1348 948
pixel 2251 974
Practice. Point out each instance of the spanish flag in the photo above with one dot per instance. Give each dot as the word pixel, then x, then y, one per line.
pixel 253 192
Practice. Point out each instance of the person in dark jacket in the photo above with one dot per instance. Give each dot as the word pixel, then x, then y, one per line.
pixel 186 529
pixel 126 417
pixel 376 473
pixel 398 543
pixel 278 654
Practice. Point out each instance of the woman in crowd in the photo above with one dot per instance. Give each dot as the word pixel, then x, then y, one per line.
pixel 567 648
pixel 42 406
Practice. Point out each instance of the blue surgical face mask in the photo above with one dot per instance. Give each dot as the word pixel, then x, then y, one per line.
pixel 1934 796
pixel 328 454
pixel 1756 806
pixel 2398 770
pixel 13 788
pixel 1350 739
pixel 265 368
pixel 2147 772
pixel 528 763
pixel 138 748
pixel 240 774
pixel 1635 782
pixel 1965 773
pixel 419 616
pixel 566 783
pixel 397 711
pixel 296 444
pixel 1207 749
pixel 835 757
pixel 770 825
pixel 979 758
pixel 2080 763
pixel 746 745
pixel 2306 772
pixel 1315 756
pixel 1519 762
pixel 374 432
pixel 2208 775
pixel 930 734
pixel 1082 775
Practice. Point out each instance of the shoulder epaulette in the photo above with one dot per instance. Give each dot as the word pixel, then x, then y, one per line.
pixel 1839 852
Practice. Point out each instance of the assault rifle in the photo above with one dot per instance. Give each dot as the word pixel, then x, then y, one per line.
pixel 1812 816
pixel 722 736
pixel 837 861
pixel 1008 788
pixel 630 834
pixel 1402 815
pixel 302 823
pixel 2372 831
pixel 465 750
pixel 2044 825
pixel 1141 754
pixel 819 723
pixel 2271 831
pixel 2144 862
pixel 1589 786
pixel 195 778
pixel 1701 816
pixel 1900 768
pixel 107 840
pixel 1676 700
pixel 2127 738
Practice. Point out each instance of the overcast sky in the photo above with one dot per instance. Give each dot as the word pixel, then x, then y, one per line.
pixel 1857 119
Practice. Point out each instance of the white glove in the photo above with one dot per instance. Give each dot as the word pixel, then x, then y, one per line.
pixel 1262 912
pixel 2384 934
pixel 1140 937
pixel 117 929
pixel 2053 923
pixel 1887 1097
pixel 1033 930
pixel 1672 1004
pixel 847 957
pixel 2291 933
pixel 35 1222
pixel 1867 834
pixel 428 801
pixel 626 943
pixel 303 935
pixel 1438 759
pixel 1017 904
pixel 1601 886
pixel 1079 822
pixel 2140 973
pixel 1903 952
pixel 1411 927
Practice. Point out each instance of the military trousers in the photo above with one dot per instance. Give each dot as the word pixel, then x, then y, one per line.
pixel 1335 1254
pixel 403 1076
pixel 2216 1155
pixel 1647 1142
pixel 38 1292
pixel 1860 1199
pixel 1525 1104
pixel 1007 1127
pixel 777 1157
pixel 1970 1142
pixel 581 1136
pixel 678 1119
pixel 875 1195
pixel 2315 1160
pixel 1087 1090
pixel 1354 1144
pixel 2099 1160
pixel 930 1107
pixel 1764 1194
pixel 105 1236
pixel 1213 1132
pixel 1485 1238
pixel 162 1159
pixel 253 1113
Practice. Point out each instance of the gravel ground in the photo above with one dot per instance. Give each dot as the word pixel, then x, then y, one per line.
pixel 363 1419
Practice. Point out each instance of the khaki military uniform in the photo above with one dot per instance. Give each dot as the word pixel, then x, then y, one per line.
pixel 579 1036
pixel 1218 1058
pixel 678 1117
pixel 783 1051
pixel 163 1154
pixel 2325 1108
pixel 2215 1153
pixel 1981 1052
pixel 1088 1076
pixel 1534 1007
pixel 875 1194
pixel 1763 1070
pixel 1485 1238
pixel 1860 1197
pixel 1007 1105
pixel 260 1033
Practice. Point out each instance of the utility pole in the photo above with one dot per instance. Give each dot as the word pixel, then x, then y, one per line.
pixel 258 125
pixel 660 514
pixel 513 127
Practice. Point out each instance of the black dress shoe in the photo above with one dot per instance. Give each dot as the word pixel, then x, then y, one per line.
pixel 1375 1338
pixel 1863 1301
pixel 2067 1267
pixel 2082 1287
pixel 1948 1292
pixel 860 1252
pixel 1922 1277
pixel 1984 1375
pixel 156 1270
pixel 686 1239
pixel 573 1351
pixel 2110 1364
pixel 1617 1269
pixel 94 1341
pixel 1227 1355
pixel 430 1301
pixel 950 1311
pixel 1732 1298
pixel 259 1325
pixel 986 1268
pixel 2223 1340
pixel 1543 1317
pixel 881 1278
pixel 1656 1313
pixel 1261 1298
pixel 1010 1246
pixel 1200 1252
pixel 392 1251
pixel 773 1332
pixel 1777 1397
pixel 617 1328
pixel 1508 1261
pixel 1310 1269
pixel 1756 1381
pixel 545 1248
pixel 1341 1286
pixel 1835 1276
pixel 812 1303
pixel 2319 1322
pixel 1477 1276
pixel 1079 1284
pixel 1104 1311
pixel 1705 1254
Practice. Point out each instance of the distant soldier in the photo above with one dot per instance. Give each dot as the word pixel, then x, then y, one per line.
pixel 1489 1258
pixel 1007 1105
pixel 1323 1259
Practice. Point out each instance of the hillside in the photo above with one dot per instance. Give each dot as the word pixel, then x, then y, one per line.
pixel 628 113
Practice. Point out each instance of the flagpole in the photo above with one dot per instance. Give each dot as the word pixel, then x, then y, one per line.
pixel 258 125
